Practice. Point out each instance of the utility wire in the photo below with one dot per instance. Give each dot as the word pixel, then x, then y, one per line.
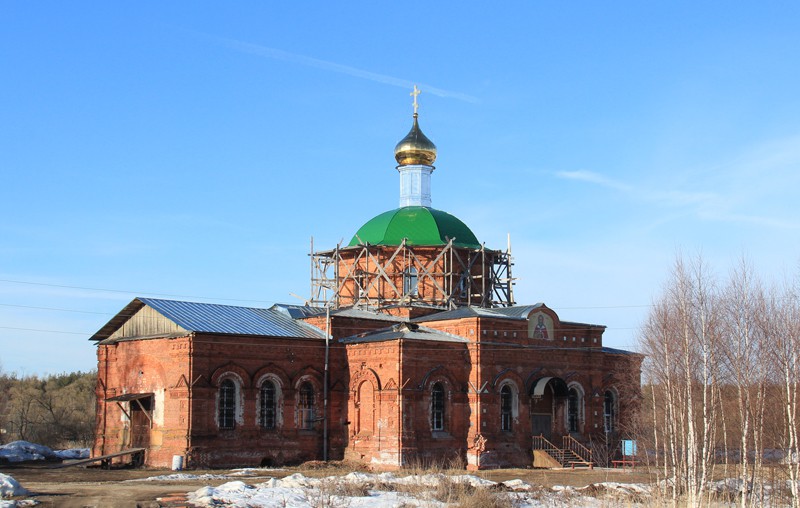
pixel 64 286
pixel 123 291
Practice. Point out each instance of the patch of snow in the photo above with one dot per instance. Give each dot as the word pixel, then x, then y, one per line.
pixel 179 477
pixel 625 488
pixel 473 481
pixel 357 477
pixel 517 485
pixel 73 453
pixel 298 491
pixel 231 493
pixel 9 487
pixel 23 451
pixel 253 471
pixel 726 485
pixel 297 480
pixel 19 451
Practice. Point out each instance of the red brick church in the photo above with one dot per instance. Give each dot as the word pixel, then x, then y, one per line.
pixel 410 351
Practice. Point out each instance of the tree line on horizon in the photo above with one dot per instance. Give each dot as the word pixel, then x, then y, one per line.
pixel 56 410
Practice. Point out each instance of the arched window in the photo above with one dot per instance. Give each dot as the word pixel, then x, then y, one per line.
pixel 609 411
pixel 410 282
pixel 227 404
pixel 305 406
pixel 360 284
pixel 437 407
pixel 462 286
pixel 268 405
pixel 574 410
pixel 506 407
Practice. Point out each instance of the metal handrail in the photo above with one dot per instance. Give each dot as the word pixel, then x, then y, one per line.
pixel 572 444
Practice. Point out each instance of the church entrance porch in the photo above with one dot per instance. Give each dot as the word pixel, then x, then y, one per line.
pixel 549 397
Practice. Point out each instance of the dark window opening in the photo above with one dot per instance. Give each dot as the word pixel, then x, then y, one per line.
pixel 268 405
pixel 506 401
pixel 609 412
pixel 437 407
pixel 573 411
pixel 306 406
pixel 227 404
pixel 411 282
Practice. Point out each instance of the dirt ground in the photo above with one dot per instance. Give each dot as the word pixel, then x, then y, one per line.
pixel 81 487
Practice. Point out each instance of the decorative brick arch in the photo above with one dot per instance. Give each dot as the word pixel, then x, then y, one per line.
pixel 307 374
pixel 273 371
pixel 228 369
pixel 438 373
pixel 507 374
pixel 365 375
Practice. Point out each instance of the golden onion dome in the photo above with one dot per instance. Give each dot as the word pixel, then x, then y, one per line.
pixel 415 148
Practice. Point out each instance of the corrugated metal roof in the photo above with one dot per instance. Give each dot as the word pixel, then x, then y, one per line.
pixel 518 311
pixel 460 313
pixel 367 314
pixel 298 311
pixel 228 319
pixel 406 332
pixel 215 318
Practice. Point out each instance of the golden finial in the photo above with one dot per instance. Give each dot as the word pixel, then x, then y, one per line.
pixel 414 94
pixel 415 148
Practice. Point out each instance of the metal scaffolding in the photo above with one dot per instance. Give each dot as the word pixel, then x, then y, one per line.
pixel 378 276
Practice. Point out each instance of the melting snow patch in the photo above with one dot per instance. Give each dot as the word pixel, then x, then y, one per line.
pixel 365 490
pixel 10 487
pixel 473 481
pixel 180 476
pixel 297 481
pixel 19 451
pixel 73 453
pixel 253 471
pixel 517 485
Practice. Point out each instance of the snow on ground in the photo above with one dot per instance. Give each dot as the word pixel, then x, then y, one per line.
pixel 384 490
pixel 177 477
pixel 10 487
pixel 73 453
pixel 21 451
pixel 245 471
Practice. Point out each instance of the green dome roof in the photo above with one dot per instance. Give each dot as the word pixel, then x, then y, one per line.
pixel 418 225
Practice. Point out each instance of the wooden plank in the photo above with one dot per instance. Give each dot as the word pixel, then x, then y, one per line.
pixel 100 458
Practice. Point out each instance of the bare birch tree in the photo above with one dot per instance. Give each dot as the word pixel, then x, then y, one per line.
pixel 680 340
pixel 783 308
pixel 744 370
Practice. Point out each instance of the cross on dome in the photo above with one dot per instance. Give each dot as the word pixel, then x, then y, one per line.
pixel 414 94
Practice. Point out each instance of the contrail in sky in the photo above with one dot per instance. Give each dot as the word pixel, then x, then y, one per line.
pixel 278 54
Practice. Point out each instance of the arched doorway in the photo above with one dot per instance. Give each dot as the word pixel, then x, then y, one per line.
pixel 548 396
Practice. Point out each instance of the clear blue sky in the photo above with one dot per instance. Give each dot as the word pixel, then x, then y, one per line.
pixel 192 149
